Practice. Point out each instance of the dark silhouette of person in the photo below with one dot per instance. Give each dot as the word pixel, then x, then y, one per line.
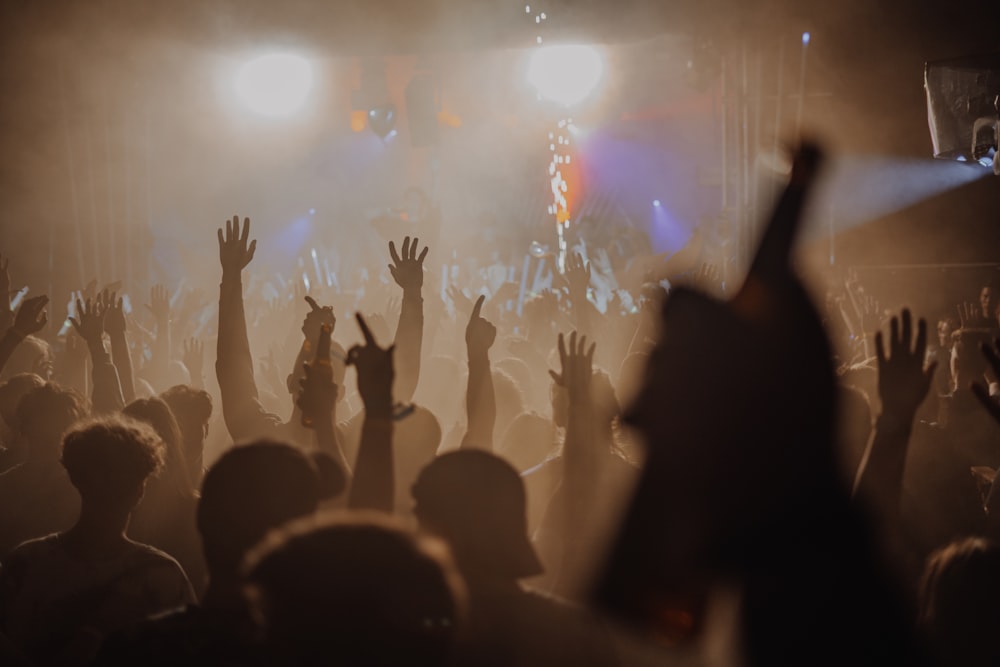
pixel 39 484
pixel 251 490
pixel 356 590
pixel 475 501
pixel 61 594
pixel 958 609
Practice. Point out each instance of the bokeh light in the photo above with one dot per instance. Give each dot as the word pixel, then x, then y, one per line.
pixel 275 85
pixel 566 74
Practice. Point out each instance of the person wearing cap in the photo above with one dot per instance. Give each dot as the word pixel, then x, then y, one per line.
pixel 475 501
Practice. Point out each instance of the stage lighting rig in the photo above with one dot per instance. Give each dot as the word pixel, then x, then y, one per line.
pixel 963 109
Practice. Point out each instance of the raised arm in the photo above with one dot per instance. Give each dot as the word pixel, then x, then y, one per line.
pixel 577 278
pixel 317 399
pixel 580 453
pixel 373 486
pixel 903 384
pixel 480 401
pixel 89 323
pixel 194 361
pixel 159 306
pixel 407 270
pixel 121 356
pixel 31 318
pixel 245 417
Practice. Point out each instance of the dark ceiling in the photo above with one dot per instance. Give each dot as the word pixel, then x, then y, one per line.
pixel 867 54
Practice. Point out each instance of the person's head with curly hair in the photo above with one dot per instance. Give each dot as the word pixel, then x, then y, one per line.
pixel 109 460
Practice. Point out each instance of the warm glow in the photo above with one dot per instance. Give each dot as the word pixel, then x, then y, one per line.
pixel 566 74
pixel 275 85
pixel 359 120
pixel 449 119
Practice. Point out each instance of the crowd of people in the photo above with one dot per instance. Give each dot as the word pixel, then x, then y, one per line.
pixel 685 473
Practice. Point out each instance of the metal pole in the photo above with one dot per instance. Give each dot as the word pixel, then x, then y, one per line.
pixel 112 232
pixel 802 85
pixel 74 203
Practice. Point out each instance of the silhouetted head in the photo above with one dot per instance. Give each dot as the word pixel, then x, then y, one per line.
pixel 986 302
pixel 11 393
pixel 416 440
pixel 443 374
pixel 156 413
pixel 958 602
pixel 475 501
pixel 945 329
pixel 354 591
pixel 43 416
pixel 249 491
pixel 32 355
pixel 528 441
pixel 520 373
pixel 109 460
pixel 192 409
pixel 509 399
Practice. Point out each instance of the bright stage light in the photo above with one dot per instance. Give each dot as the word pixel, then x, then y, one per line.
pixel 656 203
pixel 566 74
pixel 275 85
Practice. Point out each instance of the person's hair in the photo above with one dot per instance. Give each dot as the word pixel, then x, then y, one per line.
pixel 11 393
pixel 55 407
pixel 249 491
pixel 354 591
pixel 189 405
pixel 528 440
pixel 958 609
pixel 416 440
pixel 110 457
pixel 156 413
pixel 509 399
pixel 520 373
pixel 28 357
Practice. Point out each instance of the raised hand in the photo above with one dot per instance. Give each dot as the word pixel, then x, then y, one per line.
pixel 234 251
pixel 89 321
pixel 903 380
pixel 870 314
pixel 317 317
pixel 407 269
pixel 480 332
pixel 970 318
pixel 577 275
pixel 463 305
pixel 981 391
pixel 31 316
pixel 90 291
pixel 375 372
pixel 577 363
pixel 114 318
pixel 317 390
pixel 193 357
pixel 160 303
